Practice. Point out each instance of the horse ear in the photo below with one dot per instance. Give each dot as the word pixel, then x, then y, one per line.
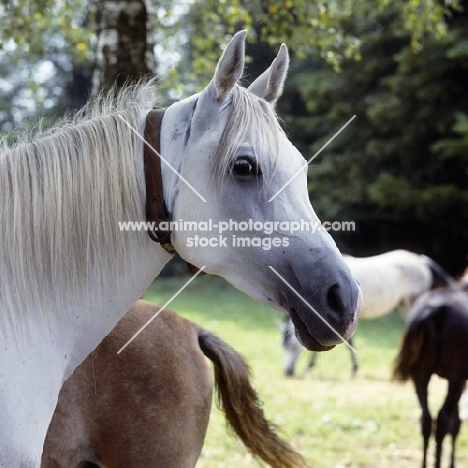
pixel 269 85
pixel 230 66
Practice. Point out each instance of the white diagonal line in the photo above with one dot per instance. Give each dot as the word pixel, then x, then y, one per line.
pixel 161 309
pixel 312 158
pixel 167 162
pixel 313 310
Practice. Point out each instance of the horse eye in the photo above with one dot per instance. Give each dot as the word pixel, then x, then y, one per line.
pixel 245 166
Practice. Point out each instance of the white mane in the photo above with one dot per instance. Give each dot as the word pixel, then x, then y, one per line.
pixel 62 195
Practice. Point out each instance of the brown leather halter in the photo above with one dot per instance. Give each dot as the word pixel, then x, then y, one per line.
pixel 156 211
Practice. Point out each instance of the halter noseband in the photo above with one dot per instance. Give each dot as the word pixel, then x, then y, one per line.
pixel 156 211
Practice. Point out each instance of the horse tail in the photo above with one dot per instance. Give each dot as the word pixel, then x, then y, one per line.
pixel 242 407
pixel 410 351
pixel 439 276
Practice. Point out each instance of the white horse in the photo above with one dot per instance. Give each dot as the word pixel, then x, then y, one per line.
pixel 68 273
pixel 389 280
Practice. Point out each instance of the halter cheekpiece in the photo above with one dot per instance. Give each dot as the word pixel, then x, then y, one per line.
pixel 156 211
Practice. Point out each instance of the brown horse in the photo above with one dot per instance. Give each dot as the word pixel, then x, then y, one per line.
pixel 150 405
pixel 436 342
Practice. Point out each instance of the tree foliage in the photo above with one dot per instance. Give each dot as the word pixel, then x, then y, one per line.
pixel 40 44
pixel 320 29
pixel 63 34
pixel 34 30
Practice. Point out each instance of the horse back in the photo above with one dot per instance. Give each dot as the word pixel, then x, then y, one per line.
pixel 436 339
pixel 161 378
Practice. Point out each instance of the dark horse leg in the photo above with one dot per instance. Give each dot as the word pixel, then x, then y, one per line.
pixel 421 382
pixel 456 423
pixel 448 420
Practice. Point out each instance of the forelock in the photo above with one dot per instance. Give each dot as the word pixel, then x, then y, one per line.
pixel 251 120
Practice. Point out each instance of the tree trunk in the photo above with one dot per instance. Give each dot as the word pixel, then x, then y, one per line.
pixel 125 43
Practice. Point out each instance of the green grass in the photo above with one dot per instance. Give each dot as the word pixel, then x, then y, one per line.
pixel 334 420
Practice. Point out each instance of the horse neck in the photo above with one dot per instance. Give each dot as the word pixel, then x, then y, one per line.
pixel 109 304
pixel 76 327
pixel 39 355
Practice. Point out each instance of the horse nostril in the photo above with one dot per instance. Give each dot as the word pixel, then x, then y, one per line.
pixel 335 301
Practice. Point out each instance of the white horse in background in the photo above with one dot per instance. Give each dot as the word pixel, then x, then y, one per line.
pixel 389 280
pixel 395 279
pixel 68 274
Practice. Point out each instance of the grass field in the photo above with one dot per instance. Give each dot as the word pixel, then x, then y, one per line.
pixel 332 419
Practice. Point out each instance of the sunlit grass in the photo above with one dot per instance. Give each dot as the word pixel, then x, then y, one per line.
pixel 332 419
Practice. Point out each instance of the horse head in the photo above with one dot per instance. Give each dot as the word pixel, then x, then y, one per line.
pixel 241 187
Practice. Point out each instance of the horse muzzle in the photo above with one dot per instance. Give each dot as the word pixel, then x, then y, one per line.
pixel 322 328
